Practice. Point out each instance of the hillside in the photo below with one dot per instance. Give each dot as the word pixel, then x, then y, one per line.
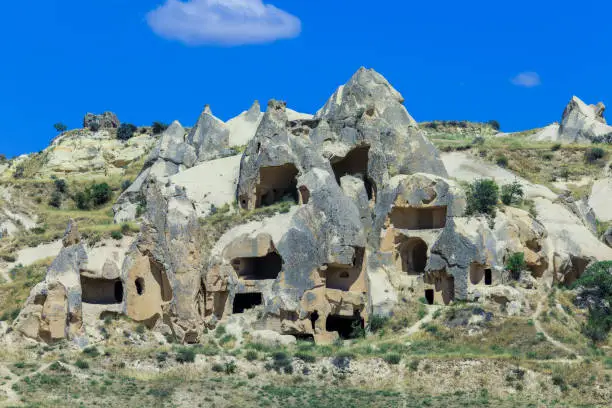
pixel 353 256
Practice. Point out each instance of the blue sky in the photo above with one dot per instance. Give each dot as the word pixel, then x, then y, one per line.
pixel 450 59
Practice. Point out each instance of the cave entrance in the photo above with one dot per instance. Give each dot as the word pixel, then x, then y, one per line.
pixel 355 163
pixel 346 326
pixel 314 316
pixel 429 296
pixel 413 254
pixel 101 291
pixel 343 278
pixel 259 268
pixel 488 277
pixel 245 301
pixel 276 184
pixel 412 218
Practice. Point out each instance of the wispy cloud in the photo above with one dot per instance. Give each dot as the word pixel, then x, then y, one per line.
pixel 222 22
pixel 527 79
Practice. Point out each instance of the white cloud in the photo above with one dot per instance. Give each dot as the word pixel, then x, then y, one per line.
pixel 527 79
pixel 222 22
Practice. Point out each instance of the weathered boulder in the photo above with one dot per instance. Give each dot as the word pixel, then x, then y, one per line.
pixel 580 123
pixel 107 120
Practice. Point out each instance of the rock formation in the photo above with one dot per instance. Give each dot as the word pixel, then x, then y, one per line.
pixel 322 222
pixel 107 120
pixel 580 123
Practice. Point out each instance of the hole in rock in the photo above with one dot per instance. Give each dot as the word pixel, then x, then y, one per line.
pixel 488 277
pixel 265 267
pixel 276 184
pixel 245 301
pixel 343 278
pixel 140 286
pixel 346 326
pixel 413 255
pixel 355 163
pixel 429 296
pixel 412 218
pixel 101 291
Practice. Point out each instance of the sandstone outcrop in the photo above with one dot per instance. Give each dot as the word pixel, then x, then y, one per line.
pixel 107 120
pixel 580 123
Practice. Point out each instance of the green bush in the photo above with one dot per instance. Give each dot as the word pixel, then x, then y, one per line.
pixel 60 185
pixel 94 126
pixel 125 184
pixel 91 352
pixel 125 228
pixel 251 355
pixel 512 193
pixel 101 193
pixel 56 199
pixel 305 357
pixel 593 154
pixel 377 322
pixel 159 127
pixel 494 124
pixel 60 127
pixel 126 131
pixel 82 200
pixel 393 358
pixel 185 355
pixel 82 364
pixel 598 279
pixel 501 161
pixel 482 196
pixel 116 235
pixel 515 264
pixel 555 147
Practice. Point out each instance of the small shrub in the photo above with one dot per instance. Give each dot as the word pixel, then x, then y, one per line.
pixel 185 355
pixel 494 124
pixel 125 184
pixel 251 355
pixel 414 365
pixel 94 126
pixel 305 357
pixel 393 358
pixel 126 131
pixel 60 127
pixel 101 193
pixel 377 322
pixel 548 156
pixel 512 193
pixel 55 200
pixel 162 356
pixel 230 367
pixel 19 172
pixel 82 201
pixel 515 264
pixel 228 338
pixel 593 154
pixel 555 147
pixel 502 161
pixel 91 352
pixel 598 278
pixel 60 185
pixel 482 196
pixel 125 228
pixel 82 364
pixel 116 235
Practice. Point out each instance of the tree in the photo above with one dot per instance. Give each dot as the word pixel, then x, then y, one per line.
pixel 56 199
pixel 3 158
pixel 60 127
pixel 60 185
pixel 159 127
pixel 494 124
pixel 512 193
pixel 126 131
pixel 482 196
pixel 101 193
pixel 596 285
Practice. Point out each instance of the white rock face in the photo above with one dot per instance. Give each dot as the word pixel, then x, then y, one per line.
pixel 86 152
pixel 600 199
pixel 211 183
pixel 581 123
pixel 242 128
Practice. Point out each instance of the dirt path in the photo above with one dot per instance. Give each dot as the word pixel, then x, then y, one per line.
pixel 535 317
pixel 431 310
pixel 12 396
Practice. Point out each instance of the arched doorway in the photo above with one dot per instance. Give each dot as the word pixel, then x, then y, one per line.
pixel 413 256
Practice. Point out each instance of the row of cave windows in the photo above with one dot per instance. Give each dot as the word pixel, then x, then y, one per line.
pixel 279 183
